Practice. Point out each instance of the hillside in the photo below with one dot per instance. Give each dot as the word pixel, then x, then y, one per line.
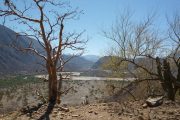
pixel 15 62
pixel 100 62
pixel 93 58
pixel 78 64
pixel 121 107
pixel 106 59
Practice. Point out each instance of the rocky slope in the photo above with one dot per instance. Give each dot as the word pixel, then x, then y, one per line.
pixel 13 61
pixel 130 110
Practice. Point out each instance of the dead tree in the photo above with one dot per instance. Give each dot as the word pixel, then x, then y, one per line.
pixel 44 21
pixel 167 80
pixel 141 46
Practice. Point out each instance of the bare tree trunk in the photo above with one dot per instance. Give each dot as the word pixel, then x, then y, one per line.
pixel 159 71
pixel 59 89
pixel 52 88
pixel 178 75
pixel 45 36
pixel 167 79
pixel 52 82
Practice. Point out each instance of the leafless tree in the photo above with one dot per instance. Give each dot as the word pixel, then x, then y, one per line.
pixel 44 20
pixel 140 44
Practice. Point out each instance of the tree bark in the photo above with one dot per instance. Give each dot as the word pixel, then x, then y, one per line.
pixel 178 75
pixel 59 89
pixel 159 71
pixel 168 81
pixel 52 82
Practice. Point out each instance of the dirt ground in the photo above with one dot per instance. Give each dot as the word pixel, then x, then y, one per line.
pixel 131 110
pixel 96 90
pixel 120 106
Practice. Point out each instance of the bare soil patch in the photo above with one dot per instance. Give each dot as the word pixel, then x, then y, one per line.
pixel 131 110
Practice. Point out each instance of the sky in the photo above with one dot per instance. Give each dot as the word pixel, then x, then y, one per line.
pixel 99 15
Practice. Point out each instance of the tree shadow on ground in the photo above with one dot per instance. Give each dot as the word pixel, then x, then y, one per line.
pixel 48 111
pixel 28 110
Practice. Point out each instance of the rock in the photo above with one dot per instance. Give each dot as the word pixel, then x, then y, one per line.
pixel 169 102
pixel 104 104
pixel 95 113
pixel 61 117
pixel 56 106
pixel 119 113
pixel 63 109
pixel 144 105
pixel 172 118
pixel 91 111
pixel 171 112
pixel 140 118
pixel 85 100
pixel 154 102
pixel 163 111
pixel 151 116
pixel 55 112
pixel 54 115
pixel 62 114
pixel 28 114
pixel 136 112
pixel 69 117
pixel 75 115
pixel 131 115
pixel 177 115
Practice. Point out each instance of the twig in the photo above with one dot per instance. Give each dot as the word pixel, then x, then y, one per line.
pixel 66 91
pixel 41 97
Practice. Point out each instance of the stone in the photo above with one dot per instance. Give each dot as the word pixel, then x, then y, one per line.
pixel 85 100
pixel 75 115
pixel 90 111
pixel 63 109
pixel 136 112
pixel 62 114
pixel 154 102
pixel 55 112
pixel 151 116
pixel 60 117
pixel 171 112
pixel 95 113
pixel 140 118
pixel 104 104
pixel 54 115
pixel 144 105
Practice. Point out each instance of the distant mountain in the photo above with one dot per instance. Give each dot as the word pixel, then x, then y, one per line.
pixel 93 58
pixel 100 62
pixel 78 64
pixel 105 60
pixel 13 61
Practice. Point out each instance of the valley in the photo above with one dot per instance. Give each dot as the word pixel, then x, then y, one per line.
pixel 96 89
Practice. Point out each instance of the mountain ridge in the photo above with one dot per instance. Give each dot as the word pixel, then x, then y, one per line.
pixel 13 61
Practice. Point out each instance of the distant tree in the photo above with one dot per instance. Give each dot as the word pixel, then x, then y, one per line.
pixel 139 44
pixel 112 64
pixel 44 20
